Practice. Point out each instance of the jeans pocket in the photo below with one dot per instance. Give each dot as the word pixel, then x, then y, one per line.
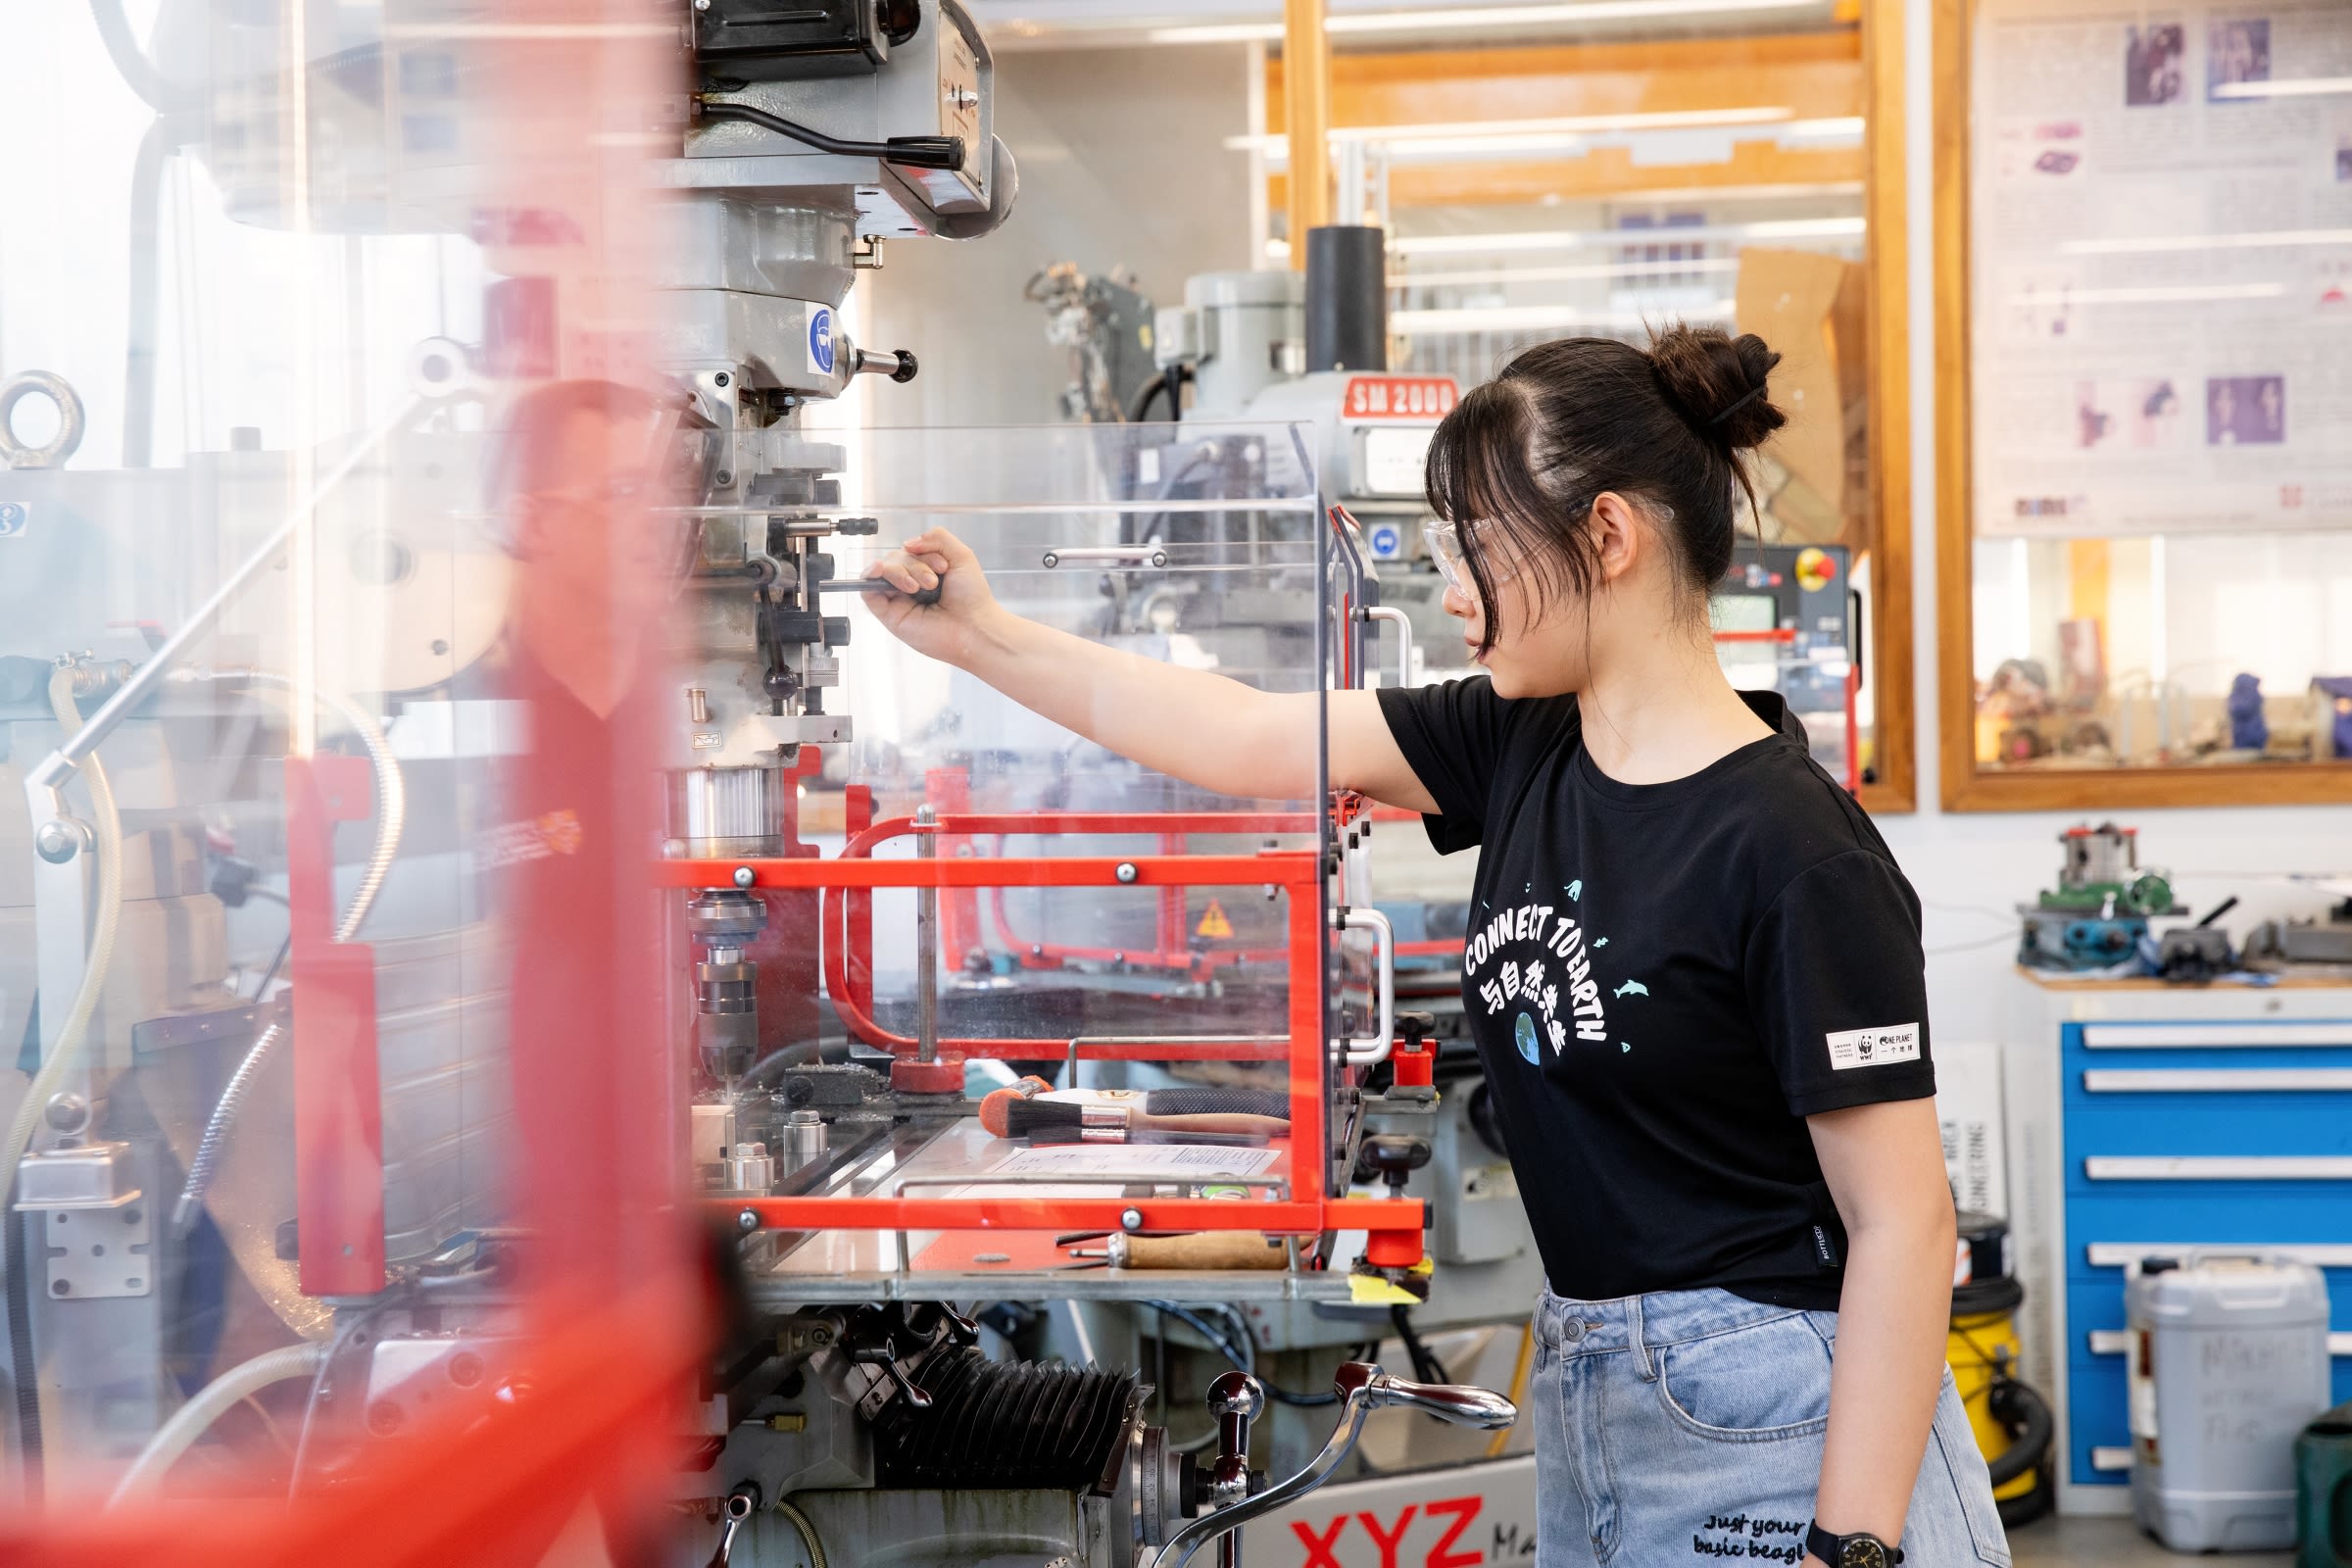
pixel 1957 1443
pixel 1767 1381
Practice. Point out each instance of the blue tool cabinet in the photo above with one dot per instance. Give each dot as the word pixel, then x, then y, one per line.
pixel 2145 1120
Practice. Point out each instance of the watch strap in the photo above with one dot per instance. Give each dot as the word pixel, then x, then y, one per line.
pixel 1830 1549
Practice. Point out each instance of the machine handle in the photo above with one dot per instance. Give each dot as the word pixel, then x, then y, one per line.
pixel 875 585
pixel 1362 1387
pixel 741 1505
pixel 1458 1402
pixel 1405 637
pixel 1375 1049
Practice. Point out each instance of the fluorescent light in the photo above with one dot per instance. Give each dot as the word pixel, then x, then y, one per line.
pixel 2185 294
pixel 1473 16
pixel 527 32
pixel 1279 145
pixel 1841 128
pixel 1562 239
pixel 2295 87
pixel 1222 32
pixel 2259 239
pixel 1538 319
pixel 1598 272
pixel 1525 15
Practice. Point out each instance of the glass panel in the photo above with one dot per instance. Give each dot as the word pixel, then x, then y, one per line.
pixel 329 975
pixel 1712 172
pixel 1195 543
pixel 2162 463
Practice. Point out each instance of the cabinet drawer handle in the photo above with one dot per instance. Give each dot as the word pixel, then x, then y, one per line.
pixel 2121 1254
pixel 2191 1037
pixel 2214 1080
pixel 2118 1341
pixel 2218 1167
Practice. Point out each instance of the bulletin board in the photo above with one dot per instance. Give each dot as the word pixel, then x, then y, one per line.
pixel 2144 336
pixel 2161 254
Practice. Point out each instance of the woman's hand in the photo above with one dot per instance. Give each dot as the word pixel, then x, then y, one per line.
pixel 952 629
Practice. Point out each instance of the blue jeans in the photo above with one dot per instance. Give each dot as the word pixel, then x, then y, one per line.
pixel 1686 1427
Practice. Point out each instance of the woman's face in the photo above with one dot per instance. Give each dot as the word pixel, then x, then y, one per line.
pixel 1541 649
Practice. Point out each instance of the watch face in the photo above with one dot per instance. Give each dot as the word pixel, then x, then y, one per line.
pixel 1862 1552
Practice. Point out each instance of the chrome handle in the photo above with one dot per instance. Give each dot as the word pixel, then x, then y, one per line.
pixel 1405 637
pixel 1375 1049
pixel 1362 1387
pixel 741 1505
pixel 1457 1403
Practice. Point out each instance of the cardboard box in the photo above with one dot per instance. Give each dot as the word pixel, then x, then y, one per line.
pixel 1814 310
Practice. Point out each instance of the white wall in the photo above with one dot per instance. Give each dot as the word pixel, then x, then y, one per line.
pixel 1972 866
pixel 1121 164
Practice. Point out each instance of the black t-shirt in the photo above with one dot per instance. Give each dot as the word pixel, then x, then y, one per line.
pixel 1663 981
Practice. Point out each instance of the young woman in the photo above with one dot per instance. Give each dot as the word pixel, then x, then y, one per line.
pixel 1694 972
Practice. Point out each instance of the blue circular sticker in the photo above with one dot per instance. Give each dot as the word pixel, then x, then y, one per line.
pixel 1524 1032
pixel 820 339
pixel 1386 542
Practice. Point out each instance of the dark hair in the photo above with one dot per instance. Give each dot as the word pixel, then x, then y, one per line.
pixel 1526 455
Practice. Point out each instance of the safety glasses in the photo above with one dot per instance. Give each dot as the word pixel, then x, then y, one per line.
pixel 1445 541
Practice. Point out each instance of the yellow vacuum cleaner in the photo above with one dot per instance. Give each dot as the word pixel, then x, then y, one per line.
pixel 2012 1422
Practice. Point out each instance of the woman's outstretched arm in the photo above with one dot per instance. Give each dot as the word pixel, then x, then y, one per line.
pixel 1203 729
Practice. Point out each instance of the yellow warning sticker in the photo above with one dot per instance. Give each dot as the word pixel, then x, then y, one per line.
pixel 1213 923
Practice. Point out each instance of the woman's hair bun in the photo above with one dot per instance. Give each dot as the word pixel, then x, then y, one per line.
pixel 1716 383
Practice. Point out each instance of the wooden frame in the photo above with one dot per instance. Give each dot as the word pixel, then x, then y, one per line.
pixel 1965 787
pixel 1886 203
pixel 1422 86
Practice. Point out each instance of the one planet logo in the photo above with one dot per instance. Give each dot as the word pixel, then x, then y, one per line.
pixel 1524 1032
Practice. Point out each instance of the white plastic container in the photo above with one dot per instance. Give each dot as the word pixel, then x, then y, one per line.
pixel 2229 1361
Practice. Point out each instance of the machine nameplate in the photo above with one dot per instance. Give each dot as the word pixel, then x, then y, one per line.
pixel 1399 397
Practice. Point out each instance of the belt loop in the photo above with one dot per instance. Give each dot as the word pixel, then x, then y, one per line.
pixel 1638 1340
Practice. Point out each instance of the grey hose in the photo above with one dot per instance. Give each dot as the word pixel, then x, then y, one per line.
pixel 800 1522
pixel 123 47
pixel 193 1419
pixel 391 813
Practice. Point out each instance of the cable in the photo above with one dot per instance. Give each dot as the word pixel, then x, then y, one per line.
pixel 908 152
pixel 391 817
pixel 1426 1366
pixel 1147 395
pixel 138 71
pixel 194 1418
pixel 310 1405
pixel 260 993
pixel 1970 946
pixel 800 1522
pixel 1520 1368
pixel 1242 1355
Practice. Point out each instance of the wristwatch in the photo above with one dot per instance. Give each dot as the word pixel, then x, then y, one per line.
pixel 1860 1550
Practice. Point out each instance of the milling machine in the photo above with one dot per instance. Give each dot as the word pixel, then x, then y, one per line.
pixel 207 1160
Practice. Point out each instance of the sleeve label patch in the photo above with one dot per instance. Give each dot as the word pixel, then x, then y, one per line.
pixel 1874 1048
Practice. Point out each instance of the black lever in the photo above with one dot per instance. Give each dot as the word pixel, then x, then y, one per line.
pixel 875 585
pixel 910 152
pixel 1391 1157
pixel 885 1357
